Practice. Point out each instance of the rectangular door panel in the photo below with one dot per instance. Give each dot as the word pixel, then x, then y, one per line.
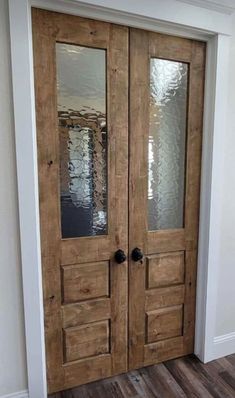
pixel 85 281
pixel 164 323
pixel 165 269
pixel 166 109
pixel 86 340
pixel 81 89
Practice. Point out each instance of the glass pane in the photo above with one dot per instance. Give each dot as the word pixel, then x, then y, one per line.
pixel 81 97
pixel 166 146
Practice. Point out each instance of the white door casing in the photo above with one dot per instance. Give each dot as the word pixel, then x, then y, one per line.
pixel 169 16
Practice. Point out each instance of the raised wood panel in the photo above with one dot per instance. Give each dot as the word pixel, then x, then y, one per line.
pixel 164 350
pixel 164 297
pixel 85 312
pixel 86 340
pixel 86 281
pixel 165 269
pixel 88 369
pixel 164 323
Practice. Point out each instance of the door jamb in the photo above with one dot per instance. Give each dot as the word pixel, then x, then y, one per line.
pixel 216 88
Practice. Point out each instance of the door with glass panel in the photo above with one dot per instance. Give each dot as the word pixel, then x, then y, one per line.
pixel 119 194
pixel 166 109
pixel 81 89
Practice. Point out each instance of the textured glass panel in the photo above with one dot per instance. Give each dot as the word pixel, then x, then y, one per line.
pixel 166 146
pixel 81 97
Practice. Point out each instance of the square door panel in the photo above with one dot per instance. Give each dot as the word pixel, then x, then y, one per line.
pixel 86 340
pixel 85 281
pixel 164 323
pixel 165 269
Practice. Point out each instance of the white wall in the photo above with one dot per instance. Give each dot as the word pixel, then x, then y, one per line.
pixel 12 341
pixel 225 322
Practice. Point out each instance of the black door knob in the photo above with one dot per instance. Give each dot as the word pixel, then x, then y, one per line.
pixel 120 256
pixel 137 254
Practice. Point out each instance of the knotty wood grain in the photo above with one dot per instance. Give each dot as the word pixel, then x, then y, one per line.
pixel 86 281
pixel 86 312
pixel 86 340
pixel 164 323
pixel 65 302
pixel 165 269
pixel 164 297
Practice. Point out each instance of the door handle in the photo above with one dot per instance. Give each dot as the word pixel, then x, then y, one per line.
pixel 137 254
pixel 120 256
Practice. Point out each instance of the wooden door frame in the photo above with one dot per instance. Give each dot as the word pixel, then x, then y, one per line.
pixel 208 25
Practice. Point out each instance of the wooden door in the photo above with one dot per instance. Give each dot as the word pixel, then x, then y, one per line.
pixel 81 88
pixel 88 76
pixel 166 110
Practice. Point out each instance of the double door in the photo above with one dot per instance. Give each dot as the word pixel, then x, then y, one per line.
pixel 119 128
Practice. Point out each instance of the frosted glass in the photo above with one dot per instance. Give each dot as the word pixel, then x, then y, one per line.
pixel 81 99
pixel 166 145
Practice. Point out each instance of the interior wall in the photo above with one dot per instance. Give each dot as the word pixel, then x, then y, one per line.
pixel 12 340
pixel 225 306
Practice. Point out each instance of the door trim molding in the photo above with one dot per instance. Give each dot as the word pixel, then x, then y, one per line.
pixel 166 21
pixel 171 16
pixel 215 104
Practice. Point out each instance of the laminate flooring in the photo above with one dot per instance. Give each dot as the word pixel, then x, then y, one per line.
pixel 183 377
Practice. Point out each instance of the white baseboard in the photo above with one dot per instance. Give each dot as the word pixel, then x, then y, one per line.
pixel 19 394
pixel 224 345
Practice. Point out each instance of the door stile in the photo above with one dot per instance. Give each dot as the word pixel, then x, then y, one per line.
pixel 118 127
pixel 193 178
pixel 139 77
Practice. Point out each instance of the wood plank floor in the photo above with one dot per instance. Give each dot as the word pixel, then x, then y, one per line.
pixel 182 378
